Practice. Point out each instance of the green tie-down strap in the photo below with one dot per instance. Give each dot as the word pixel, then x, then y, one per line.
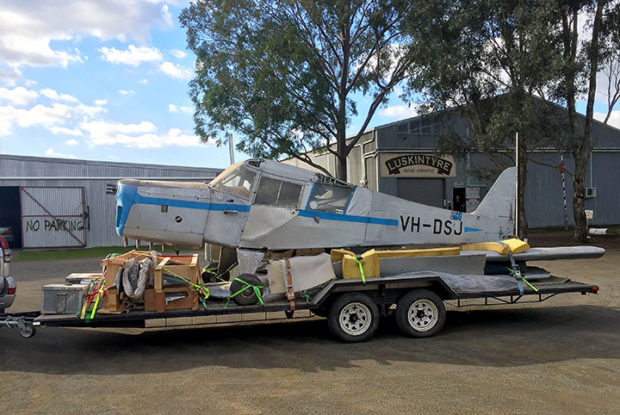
pixel 359 263
pixel 202 291
pixel 517 274
pixel 247 285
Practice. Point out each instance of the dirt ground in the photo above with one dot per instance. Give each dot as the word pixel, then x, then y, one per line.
pixel 558 357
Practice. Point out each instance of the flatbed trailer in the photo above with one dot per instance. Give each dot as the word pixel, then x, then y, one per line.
pixel 352 306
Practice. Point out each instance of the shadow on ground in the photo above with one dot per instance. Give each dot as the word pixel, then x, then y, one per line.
pixel 494 338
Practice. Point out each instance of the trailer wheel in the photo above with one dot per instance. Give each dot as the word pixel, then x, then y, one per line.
pixel 247 296
pixel 26 329
pixel 420 313
pixel 354 317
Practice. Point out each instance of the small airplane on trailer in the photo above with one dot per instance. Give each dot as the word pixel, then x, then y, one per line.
pixel 262 205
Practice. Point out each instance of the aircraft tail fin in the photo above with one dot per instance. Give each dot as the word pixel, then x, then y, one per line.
pixel 499 202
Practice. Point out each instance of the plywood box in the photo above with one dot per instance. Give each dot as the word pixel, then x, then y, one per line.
pixel 189 301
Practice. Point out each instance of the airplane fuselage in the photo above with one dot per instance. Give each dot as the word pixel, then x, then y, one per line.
pixel 261 204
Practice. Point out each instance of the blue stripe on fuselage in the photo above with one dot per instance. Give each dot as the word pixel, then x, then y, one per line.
pixel 307 213
pixel 128 196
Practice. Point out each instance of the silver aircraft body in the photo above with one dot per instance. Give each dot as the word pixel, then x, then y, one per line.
pixel 267 205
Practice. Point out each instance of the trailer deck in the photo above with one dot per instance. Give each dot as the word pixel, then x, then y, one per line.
pixel 384 291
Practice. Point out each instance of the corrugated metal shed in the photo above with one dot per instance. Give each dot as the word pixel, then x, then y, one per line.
pixel 543 198
pixel 97 178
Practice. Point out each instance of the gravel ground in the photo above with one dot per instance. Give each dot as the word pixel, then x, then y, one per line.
pixel 558 357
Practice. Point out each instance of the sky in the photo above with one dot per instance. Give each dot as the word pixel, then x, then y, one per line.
pixel 108 80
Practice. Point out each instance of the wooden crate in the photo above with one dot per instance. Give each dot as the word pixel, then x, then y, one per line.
pixel 184 266
pixel 112 303
pixel 112 265
pixel 155 302
pixel 187 267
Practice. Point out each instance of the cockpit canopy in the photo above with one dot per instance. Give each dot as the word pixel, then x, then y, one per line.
pixel 236 180
pixel 328 194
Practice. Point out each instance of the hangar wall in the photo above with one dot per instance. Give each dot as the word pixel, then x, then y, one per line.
pixel 544 199
pixel 43 183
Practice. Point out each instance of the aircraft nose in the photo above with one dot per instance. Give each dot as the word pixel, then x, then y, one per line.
pixel 125 198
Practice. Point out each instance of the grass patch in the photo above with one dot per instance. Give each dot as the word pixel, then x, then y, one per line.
pixel 100 252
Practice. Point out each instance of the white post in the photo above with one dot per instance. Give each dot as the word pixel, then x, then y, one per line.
pixel 517 185
pixel 231 149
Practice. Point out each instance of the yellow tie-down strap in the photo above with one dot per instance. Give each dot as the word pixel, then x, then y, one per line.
pixel 514 245
pixel 370 259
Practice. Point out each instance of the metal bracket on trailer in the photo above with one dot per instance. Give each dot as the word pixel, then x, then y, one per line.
pixel 24 322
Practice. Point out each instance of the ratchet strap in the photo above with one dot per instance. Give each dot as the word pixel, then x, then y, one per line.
pixel 96 291
pixel 516 273
pixel 247 285
pixel 358 258
pixel 290 293
pixel 203 292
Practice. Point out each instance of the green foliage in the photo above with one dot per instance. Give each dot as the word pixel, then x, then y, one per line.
pixel 281 73
pixel 488 58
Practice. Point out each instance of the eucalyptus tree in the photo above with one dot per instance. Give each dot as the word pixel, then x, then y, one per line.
pixel 588 44
pixel 487 58
pixel 283 74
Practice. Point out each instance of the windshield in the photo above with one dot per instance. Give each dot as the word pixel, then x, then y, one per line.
pixel 236 180
pixel 329 197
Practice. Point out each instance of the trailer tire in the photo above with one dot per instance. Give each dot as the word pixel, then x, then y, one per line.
pixel 247 296
pixel 26 329
pixel 420 313
pixel 353 317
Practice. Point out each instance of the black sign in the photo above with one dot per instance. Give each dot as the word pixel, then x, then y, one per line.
pixel 394 165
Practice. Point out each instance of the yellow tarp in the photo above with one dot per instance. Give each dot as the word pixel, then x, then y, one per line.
pixel 515 245
pixel 370 259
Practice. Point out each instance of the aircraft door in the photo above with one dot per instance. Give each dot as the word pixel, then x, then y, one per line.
pixel 374 231
pixel 229 207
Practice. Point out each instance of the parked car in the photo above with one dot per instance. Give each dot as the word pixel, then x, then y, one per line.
pixel 8 287
pixel 7 233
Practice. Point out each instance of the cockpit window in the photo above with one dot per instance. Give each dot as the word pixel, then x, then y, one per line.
pixel 330 198
pixel 278 193
pixel 237 181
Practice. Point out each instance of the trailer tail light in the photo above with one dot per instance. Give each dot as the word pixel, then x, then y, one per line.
pixel 3 243
pixel 11 291
pixel 595 289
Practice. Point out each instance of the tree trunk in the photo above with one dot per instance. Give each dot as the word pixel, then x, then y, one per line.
pixel 579 191
pixel 341 150
pixel 341 168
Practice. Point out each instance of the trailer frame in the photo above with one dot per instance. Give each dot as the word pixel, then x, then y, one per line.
pixel 384 292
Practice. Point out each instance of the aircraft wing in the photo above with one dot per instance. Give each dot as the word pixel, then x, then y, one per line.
pixel 544 254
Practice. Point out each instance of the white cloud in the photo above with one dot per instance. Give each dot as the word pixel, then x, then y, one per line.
pixel 51 153
pixel 127 92
pixel 177 108
pixel 67 131
pixel 17 96
pixel 399 111
pixel 140 135
pixel 143 81
pixel 133 56
pixel 614 118
pixel 179 54
pixel 9 77
pixel 55 96
pixel 56 115
pixel 101 102
pixel 36 33
pixel 176 71
pixel 72 142
pixel 166 15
